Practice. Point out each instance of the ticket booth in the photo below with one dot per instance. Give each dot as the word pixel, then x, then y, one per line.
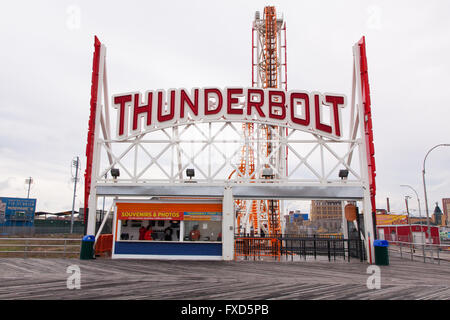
pixel 171 229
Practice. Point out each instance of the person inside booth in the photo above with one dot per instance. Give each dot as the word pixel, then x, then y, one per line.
pixel 168 234
pixel 148 233
pixel 194 235
pixel 142 231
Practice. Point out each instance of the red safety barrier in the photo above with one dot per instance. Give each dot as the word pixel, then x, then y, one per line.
pixel 104 244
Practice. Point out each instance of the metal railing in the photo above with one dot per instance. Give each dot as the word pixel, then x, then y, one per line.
pixel 292 247
pixel 19 231
pixel 44 228
pixel 407 238
pixel 419 251
pixel 40 247
pixel 252 247
pixel 323 246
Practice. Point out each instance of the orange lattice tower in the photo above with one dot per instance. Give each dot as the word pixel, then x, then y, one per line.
pixel 268 71
pixel 270 81
pixel 248 209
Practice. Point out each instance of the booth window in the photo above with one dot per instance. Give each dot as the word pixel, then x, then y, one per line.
pixel 161 230
pixel 202 230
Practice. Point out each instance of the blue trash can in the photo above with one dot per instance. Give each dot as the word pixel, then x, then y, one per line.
pixel 87 247
pixel 381 252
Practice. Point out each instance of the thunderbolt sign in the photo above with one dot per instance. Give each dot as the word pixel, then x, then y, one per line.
pixel 301 110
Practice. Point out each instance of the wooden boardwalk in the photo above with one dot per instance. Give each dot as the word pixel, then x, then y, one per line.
pixel 146 279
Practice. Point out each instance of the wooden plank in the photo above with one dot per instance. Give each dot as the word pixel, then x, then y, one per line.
pixel 148 279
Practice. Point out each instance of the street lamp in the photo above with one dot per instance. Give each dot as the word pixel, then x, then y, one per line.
pixel 418 200
pixel 424 185
pixel 420 211
pixel 76 164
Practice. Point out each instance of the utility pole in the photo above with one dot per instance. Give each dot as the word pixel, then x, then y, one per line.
pixel 410 238
pixel 76 164
pixel 420 211
pixel 407 209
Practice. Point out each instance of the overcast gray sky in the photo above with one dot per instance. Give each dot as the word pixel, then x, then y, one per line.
pixel 46 63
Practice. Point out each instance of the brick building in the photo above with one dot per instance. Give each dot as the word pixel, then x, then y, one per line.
pixel 446 209
pixel 326 209
pixel 326 215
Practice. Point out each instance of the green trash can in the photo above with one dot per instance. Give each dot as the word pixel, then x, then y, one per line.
pixel 87 247
pixel 381 252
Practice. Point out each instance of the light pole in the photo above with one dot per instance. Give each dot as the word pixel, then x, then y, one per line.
pixel 420 211
pixel 76 164
pixel 410 229
pixel 29 181
pixel 425 188
pixel 407 208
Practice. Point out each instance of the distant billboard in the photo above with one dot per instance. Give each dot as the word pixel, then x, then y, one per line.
pixel 391 219
pixel 17 211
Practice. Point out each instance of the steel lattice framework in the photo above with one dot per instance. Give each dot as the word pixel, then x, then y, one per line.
pixel 268 66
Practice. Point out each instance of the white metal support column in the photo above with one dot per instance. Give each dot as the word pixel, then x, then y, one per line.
pixel 344 222
pixel 228 225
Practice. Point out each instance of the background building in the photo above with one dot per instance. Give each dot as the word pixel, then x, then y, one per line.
pixel 438 216
pixel 326 216
pixel 297 223
pixel 326 209
pixel 446 208
pixel 418 220
pixel 407 233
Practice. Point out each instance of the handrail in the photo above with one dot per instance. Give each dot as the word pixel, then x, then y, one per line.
pixel 425 247
pixel 420 244
pixel 42 239
pixel 248 246
pixel 27 243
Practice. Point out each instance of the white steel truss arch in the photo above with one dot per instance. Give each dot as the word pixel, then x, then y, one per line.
pixel 213 150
